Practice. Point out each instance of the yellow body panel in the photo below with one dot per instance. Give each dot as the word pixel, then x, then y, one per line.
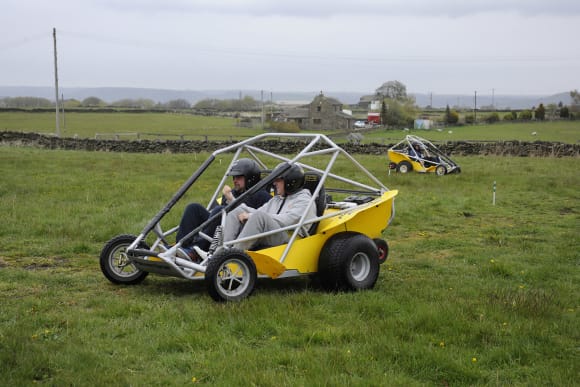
pixel 369 219
pixel 397 157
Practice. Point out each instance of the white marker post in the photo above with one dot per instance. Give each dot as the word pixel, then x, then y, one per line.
pixel 493 198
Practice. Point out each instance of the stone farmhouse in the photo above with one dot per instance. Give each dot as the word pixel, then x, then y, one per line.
pixel 322 114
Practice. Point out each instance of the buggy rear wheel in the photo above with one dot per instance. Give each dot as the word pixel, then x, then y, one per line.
pixel 230 275
pixel 116 265
pixel 404 167
pixel 383 248
pixel 349 261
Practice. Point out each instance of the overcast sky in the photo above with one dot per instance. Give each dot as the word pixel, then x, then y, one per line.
pixel 438 46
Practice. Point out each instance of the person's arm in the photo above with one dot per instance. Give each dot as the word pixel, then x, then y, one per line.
pixel 293 208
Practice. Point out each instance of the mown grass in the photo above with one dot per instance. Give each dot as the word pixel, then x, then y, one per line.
pixel 173 125
pixel 472 294
pixel 148 125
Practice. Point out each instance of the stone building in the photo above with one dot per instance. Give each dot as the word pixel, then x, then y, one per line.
pixel 322 114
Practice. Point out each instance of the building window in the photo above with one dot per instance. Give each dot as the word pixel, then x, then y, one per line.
pixel 317 121
pixel 318 108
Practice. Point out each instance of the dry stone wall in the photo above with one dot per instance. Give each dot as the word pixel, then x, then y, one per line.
pixel 457 148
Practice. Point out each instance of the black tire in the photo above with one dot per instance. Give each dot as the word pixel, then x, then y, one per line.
pixel 230 275
pixel 115 264
pixel 349 261
pixel 383 249
pixel 404 167
pixel 440 170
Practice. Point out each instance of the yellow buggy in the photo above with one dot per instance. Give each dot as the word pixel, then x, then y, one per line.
pixel 343 249
pixel 414 153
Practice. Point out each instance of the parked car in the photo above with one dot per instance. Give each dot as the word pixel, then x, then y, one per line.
pixel 359 124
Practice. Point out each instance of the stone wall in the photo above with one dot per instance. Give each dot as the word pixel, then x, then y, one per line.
pixel 456 148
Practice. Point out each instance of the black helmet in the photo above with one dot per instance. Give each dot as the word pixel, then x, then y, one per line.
pixel 247 168
pixel 293 178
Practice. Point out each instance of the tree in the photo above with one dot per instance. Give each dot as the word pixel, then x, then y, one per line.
pixel 525 115
pixel 540 112
pixel 393 90
pixel 492 118
pixel 178 104
pixel 564 112
pixel 400 113
pixel 383 113
pixel 575 106
pixel 93 102
pixel 451 116
pixel 575 97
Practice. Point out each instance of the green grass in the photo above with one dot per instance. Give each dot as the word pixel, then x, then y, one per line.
pixel 106 124
pixel 472 294
pixel 559 131
pixel 149 125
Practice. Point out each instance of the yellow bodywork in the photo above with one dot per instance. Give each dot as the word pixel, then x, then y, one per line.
pixel 397 157
pixel 369 219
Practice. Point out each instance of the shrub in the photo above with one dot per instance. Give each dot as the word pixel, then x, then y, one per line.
pixel 451 116
pixel 492 118
pixel 285 127
pixel 508 117
pixel 526 115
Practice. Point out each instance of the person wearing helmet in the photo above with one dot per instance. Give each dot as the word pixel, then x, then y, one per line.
pixel 284 209
pixel 245 174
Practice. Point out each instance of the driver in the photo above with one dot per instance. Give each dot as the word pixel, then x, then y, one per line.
pixel 245 174
pixel 284 209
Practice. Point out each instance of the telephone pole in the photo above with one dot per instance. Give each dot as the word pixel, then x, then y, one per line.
pixel 56 84
pixel 475 109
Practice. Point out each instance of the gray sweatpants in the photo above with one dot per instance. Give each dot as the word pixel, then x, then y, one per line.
pixel 259 222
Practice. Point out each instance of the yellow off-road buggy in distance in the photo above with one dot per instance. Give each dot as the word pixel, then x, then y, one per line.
pixel 414 153
pixel 344 247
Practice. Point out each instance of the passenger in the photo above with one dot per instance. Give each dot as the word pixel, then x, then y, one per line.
pixel 284 209
pixel 245 174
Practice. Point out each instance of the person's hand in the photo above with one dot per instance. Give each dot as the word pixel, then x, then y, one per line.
pixel 227 191
pixel 243 217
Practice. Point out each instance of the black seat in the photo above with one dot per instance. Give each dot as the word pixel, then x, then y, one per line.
pixel 311 181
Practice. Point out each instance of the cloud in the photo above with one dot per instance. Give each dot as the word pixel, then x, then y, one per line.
pixel 330 8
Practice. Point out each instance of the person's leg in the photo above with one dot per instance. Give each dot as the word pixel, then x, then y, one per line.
pixel 194 215
pixel 261 222
pixel 233 225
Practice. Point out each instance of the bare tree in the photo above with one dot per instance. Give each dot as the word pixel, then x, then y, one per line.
pixel 393 90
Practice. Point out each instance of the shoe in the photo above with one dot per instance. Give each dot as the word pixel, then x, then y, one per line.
pixel 192 254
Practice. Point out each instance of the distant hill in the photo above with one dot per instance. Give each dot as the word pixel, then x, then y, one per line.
pixel 112 94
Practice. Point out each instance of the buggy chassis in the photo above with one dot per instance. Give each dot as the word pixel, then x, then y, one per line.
pixel 343 248
pixel 403 160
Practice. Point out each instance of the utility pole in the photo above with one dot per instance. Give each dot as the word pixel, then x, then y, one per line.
pixel 63 115
pixel 56 84
pixel 475 109
pixel 262 98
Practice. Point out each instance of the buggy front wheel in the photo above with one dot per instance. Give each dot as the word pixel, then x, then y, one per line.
pixel 440 170
pixel 116 265
pixel 230 275
pixel 349 261
pixel 404 167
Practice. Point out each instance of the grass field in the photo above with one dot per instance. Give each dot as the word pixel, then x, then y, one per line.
pixel 472 294
pixel 149 125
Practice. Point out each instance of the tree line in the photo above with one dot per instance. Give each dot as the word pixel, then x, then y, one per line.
pixel 244 104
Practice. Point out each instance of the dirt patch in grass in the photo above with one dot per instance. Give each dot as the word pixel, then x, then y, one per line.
pixel 43 263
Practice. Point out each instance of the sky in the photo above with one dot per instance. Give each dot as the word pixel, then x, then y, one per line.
pixel 506 47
